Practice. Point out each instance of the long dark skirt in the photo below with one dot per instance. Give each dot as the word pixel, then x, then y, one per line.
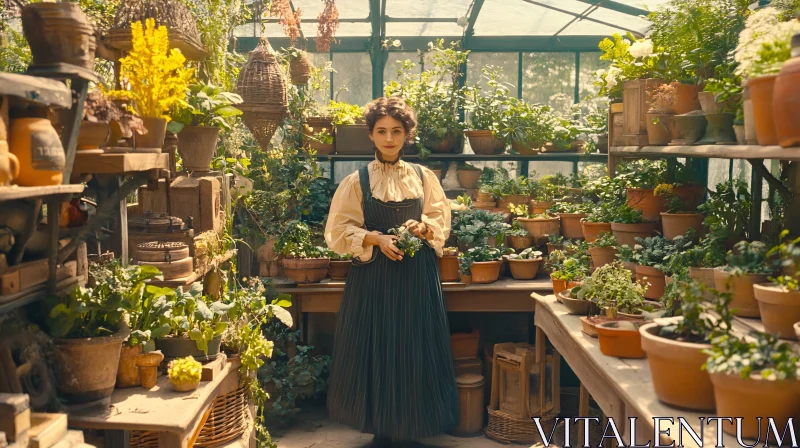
pixel 392 372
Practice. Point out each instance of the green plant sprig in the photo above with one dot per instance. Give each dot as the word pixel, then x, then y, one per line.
pixel 406 241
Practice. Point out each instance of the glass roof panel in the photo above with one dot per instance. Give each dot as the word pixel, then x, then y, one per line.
pixel 518 18
pixel 650 5
pixel 348 9
pixel 428 9
pixel 432 29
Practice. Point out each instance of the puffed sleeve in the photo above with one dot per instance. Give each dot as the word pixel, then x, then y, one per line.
pixel 436 210
pixel 344 231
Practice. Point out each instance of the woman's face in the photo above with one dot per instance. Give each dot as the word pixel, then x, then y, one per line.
pixel 389 135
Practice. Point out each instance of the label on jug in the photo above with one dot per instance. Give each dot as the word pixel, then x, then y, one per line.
pixel 47 154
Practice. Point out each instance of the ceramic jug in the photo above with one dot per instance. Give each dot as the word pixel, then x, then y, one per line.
pixel 37 146
pixel 9 165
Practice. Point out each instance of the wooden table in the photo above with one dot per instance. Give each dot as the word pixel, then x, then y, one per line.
pixel 623 388
pixel 504 295
pixel 176 416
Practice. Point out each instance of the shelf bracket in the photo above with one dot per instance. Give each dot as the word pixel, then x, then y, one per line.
pixel 758 165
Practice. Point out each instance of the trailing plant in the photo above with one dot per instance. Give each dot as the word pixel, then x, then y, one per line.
pixel 749 258
pixel 406 241
pixel 611 284
pixel 206 105
pixel 756 355
pixel 788 250
pixel 527 254
pixel 697 325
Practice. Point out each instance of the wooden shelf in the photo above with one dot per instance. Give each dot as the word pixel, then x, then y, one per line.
pixel 198 275
pixel 547 157
pixel 35 90
pixel 14 192
pixel 709 152
pixel 504 284
pixel 35 293
pixel 63 70
pixel 119 163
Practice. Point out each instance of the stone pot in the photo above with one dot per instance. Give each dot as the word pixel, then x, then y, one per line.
pixel 197 146
pixel 676 369
pixel 744 303
pixel 719 129
pixel 627 233
pixel 779 309
pixel 688 129
pixel 620 339
pixel 59 33
pixel 524 269
pixel 761 93
pixel 654 279
pixel 577 306
pixel 677 224
pixel 181 347
pixel 686 99
pixel 571 225
pixel 710 105
pixel 156 132
pixel 592 230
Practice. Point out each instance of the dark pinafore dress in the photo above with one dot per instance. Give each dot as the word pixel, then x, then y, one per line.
pixel 392 371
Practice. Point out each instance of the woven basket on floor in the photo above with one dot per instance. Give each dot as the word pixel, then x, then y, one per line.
pixel 300 69
pixel 262 86
pixel 506 428
pixel 173 14
pixel 227 421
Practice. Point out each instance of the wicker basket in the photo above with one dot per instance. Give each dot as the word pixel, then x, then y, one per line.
pixel 507 428
pixel 173 14
pixel 300 68
pixel 262 86
pixel 227 421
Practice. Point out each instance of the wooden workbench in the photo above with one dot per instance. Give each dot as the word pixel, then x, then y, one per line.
pixel 623 388
pixel 176 416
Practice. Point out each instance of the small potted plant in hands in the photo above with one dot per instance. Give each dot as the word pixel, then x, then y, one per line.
pixel 747 266
pixel 675 347
pixel 525 265
pixel 303 262
pixel 754 376
pixel 207 110
pixel 779 302
pixel 406 241
pixel 680 215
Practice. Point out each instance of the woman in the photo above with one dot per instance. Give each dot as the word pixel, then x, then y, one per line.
pixel 392 371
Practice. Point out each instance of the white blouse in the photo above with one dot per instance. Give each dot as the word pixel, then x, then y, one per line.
pixel 345 232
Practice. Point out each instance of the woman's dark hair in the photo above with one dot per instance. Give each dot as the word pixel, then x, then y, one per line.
pixel 391 107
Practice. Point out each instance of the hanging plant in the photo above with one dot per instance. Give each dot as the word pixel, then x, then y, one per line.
pixel 327 23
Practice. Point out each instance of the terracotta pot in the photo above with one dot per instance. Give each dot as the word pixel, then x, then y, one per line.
pixel 744 303
pixel 86 368
pixel 691 195
pixel 676 369
pixel 465 345
pixel 468 179
pixel 688 128
pixel 592 230
pixel 184 386
pixel 197 146
pixel 558 286
pixel 521 242
pixel 516 199
pixel 577 306
pixel 710 105
pixel 36 145
pixel 539 227
pixel 339 269
pixel 620 339
pixel 148 368
pixel 647 202
pixel 602 256
pixel 677 224
pixel 704 276
pixel 524 269
pixel 571 225
pixel 761 93
pixel 626 233
pixel 539 207
pixel 128 372
pixel 93 135
pixel 779 308
pixel 659 128
pixel 306 270
pixel 485 197
pixel 448 268
pixel 526 148
pixel 444 145
pixel 316 125
pixel 59 33
pixel 750 136
pixel 686 97
pixel 485 142
pixel 785 98
pixel 655 279
pixel 752 398
pixel 486 271
pixel 156 132
pixel 181 347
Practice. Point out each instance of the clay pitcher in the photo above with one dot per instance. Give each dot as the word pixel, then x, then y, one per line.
pixel 37 146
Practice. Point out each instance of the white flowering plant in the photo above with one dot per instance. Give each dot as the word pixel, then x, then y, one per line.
pixel 763 30
pixel 758 355
pixel 630 58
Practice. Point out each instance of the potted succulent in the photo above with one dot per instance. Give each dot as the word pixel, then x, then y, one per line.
pixel 485 114
pixel 206 111
pixel 627 224
pixel 468 176
pixel 525 265
pixel 448 264
pixel 538 225
pixel 520 238
pixel 482 263
pixel 476 227
pixel 675 348
pixel 779 302
pixel 652 256
pixel 680 216
pixel 603 250
pixel 340 266
pixel 746 266
pixel 571 215
pixel 154 78
pixel 754 376
pixel 185 374
pixel 302 261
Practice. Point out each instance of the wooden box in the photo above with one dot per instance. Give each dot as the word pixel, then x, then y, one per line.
pixel 635 98
pixel 195 197
pixel 525 383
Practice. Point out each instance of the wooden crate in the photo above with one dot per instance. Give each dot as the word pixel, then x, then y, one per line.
pixel 635 105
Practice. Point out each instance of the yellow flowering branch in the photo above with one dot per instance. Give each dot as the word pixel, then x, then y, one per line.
pixel 153 76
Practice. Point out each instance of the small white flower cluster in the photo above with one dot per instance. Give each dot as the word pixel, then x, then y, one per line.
pixel 641 48
pixel 761 27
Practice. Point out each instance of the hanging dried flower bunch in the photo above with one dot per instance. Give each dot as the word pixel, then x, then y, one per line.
pixel 327 23
pixel 287 18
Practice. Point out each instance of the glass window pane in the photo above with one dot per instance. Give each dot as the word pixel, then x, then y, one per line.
pixel 549 78
pixel 245 30
pixel 393 64
pixel 506 62
pixel 433 29
pixel 322 60
pixel 416 8
pixel 590 63
pixel 352 81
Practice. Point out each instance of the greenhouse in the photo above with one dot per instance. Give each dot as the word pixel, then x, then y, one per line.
pixel 392 223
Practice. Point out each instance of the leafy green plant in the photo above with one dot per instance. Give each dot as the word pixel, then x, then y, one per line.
pixel 527 254
pixel 527 124
pixel 630 58
pixel 480 254
pixel 191 317
pixel 724 89
pixel 486 108
pixel 295 242
pixel 605 239
pixel 758 354
pixel 625 214
pixel 625 253
pixel 572 269
pixel 643 173
pixel 467 167
pixel 789 252
pixel 673 202
pixel 697 325
pixel 611 284
pixel 571 207
pixel 657 251
pixel 475 226
pixel 185 370
pixel 206 105
pixel 708 253
pixel 727 210
pixel 771 56
pixel 555 260
pixel 406 241
pixel 749 258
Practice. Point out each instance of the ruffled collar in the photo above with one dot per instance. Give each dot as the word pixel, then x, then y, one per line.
pixel 394 181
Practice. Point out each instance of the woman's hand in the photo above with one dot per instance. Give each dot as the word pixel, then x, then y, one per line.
pixel 386 245
pixel 419 229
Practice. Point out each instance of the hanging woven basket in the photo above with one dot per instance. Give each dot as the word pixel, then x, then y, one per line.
pixel 262 86
pixel 173 14
pixel 300 68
